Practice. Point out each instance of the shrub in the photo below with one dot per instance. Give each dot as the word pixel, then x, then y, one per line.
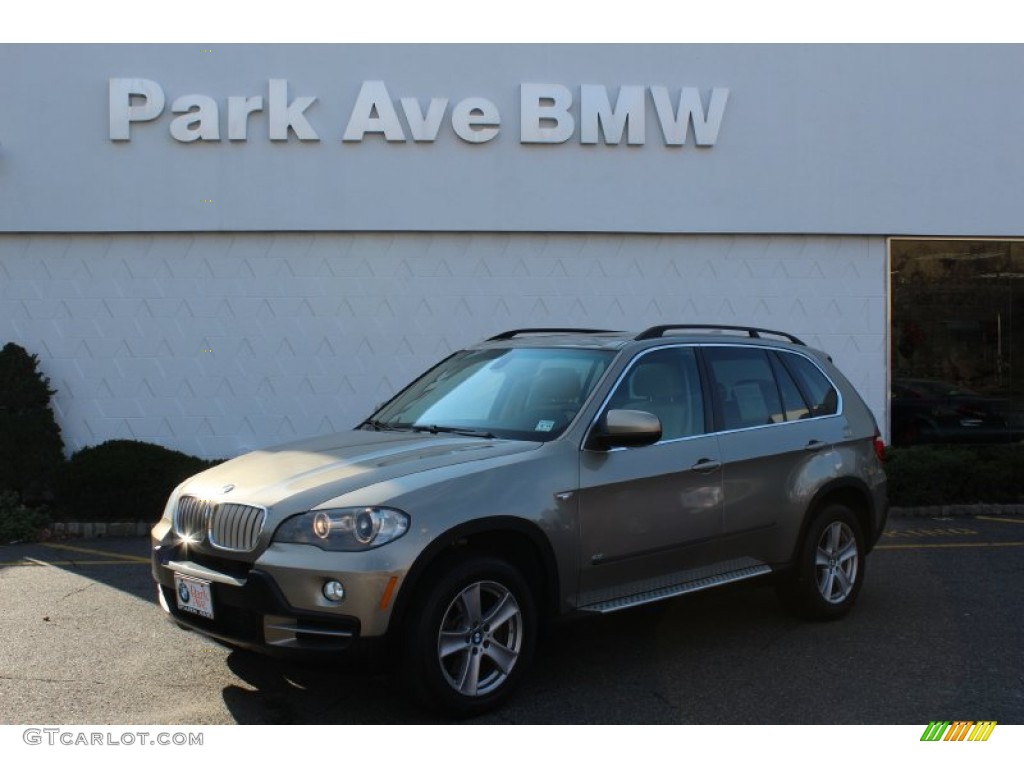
pixel 123 480
pixel 31 448
pixel 19 522
pixel 933 475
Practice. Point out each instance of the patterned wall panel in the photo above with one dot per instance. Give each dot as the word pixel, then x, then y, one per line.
pixel 217 343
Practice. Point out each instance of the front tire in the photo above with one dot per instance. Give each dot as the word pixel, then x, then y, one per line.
pixel 829 568
pixel 472 636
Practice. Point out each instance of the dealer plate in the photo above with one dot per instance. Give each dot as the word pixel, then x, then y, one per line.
pixel 194 596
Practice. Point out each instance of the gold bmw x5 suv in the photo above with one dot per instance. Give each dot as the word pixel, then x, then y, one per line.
pixel 540 473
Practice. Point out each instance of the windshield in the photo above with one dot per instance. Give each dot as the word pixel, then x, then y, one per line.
pixel 521 394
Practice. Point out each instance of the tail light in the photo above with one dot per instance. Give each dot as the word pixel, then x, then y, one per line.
pixel 879 446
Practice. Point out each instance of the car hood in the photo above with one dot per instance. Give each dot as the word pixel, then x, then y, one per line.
pixel 304 474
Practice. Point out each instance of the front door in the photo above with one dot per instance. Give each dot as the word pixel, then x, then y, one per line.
pixel 652 511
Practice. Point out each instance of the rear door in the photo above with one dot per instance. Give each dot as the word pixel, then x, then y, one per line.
pixel 777 418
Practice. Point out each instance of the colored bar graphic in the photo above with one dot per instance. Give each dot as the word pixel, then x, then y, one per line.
pixel 982 730
pixel 935 730
pixel 959 730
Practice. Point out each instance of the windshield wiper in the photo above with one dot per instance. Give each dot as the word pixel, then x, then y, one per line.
pixel 467 431
pixel 384 426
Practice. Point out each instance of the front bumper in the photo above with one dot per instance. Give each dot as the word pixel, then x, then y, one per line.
pixel 256 616
pixel 251 605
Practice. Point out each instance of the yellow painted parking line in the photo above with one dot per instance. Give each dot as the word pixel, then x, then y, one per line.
pixel 102 552
pixel 918 533
pixel 15 563
pixel 33 561
pixel 1001 519
pixel 953 545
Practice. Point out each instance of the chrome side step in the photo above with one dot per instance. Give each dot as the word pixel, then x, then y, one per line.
pixel 674 590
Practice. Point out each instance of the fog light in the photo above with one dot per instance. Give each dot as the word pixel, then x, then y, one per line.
pixel 334 591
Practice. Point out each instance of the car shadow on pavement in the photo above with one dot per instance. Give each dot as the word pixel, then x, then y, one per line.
pixel 337 690
pixel 630 667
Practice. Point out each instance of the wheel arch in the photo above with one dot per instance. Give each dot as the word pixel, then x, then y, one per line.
pixel 851 493
pixel 519 542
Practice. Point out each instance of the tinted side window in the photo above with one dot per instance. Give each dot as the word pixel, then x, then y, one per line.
pixel 793 403
pixel 817 389
pixel 665 382
pixel 744 386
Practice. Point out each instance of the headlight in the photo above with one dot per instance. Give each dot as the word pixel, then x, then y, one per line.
pixel 344 530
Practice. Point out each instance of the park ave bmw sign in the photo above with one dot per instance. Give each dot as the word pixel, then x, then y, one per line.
pixel 549 113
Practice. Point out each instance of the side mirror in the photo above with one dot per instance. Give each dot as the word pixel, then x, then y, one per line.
pixel 625 429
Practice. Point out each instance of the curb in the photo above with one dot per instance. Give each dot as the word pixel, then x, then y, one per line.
pixel 79 530
pixel 958 510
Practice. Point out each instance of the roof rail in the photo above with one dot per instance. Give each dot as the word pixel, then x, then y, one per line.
pixel 657 331
pixel 524 331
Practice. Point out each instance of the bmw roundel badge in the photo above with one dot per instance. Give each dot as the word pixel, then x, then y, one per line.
pixel 183 593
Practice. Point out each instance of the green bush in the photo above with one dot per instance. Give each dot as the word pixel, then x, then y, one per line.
pixel 122 480
pixel 947 474
pixel 19 522
pixel 31 448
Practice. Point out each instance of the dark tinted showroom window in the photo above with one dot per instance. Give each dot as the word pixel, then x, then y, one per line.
pixel 744 386
pixel 957 339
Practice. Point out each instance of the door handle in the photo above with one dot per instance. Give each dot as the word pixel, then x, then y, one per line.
pixel 706 466
pixel 815 445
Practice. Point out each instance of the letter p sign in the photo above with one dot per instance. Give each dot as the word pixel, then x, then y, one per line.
pixel 132 99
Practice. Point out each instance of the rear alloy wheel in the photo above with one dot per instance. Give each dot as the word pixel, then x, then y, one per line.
pixel 830 568
pixel 472 637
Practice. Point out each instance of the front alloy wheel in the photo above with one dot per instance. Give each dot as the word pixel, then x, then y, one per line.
pixel 471 635
pixel 480 638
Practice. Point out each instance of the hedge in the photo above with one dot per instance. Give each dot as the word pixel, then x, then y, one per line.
pixel 933 475
pixel 122 480
pixel 31 449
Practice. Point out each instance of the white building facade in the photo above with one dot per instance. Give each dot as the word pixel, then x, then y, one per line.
pixel 217 249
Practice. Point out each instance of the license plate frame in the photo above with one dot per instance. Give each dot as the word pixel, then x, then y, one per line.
pixel 194 596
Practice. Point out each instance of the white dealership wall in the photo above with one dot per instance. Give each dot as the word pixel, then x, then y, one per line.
pixel 219 294
pixel 215 343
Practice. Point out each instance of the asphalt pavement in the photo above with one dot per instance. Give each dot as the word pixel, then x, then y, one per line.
pixel 936 635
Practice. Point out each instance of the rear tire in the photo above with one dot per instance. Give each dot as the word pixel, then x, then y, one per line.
pixel 829 568
pixel 471 636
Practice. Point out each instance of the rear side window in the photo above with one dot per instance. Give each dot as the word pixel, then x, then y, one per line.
pixel 744 387
pixel 817 389
pixel 793 403
pixel 754 387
